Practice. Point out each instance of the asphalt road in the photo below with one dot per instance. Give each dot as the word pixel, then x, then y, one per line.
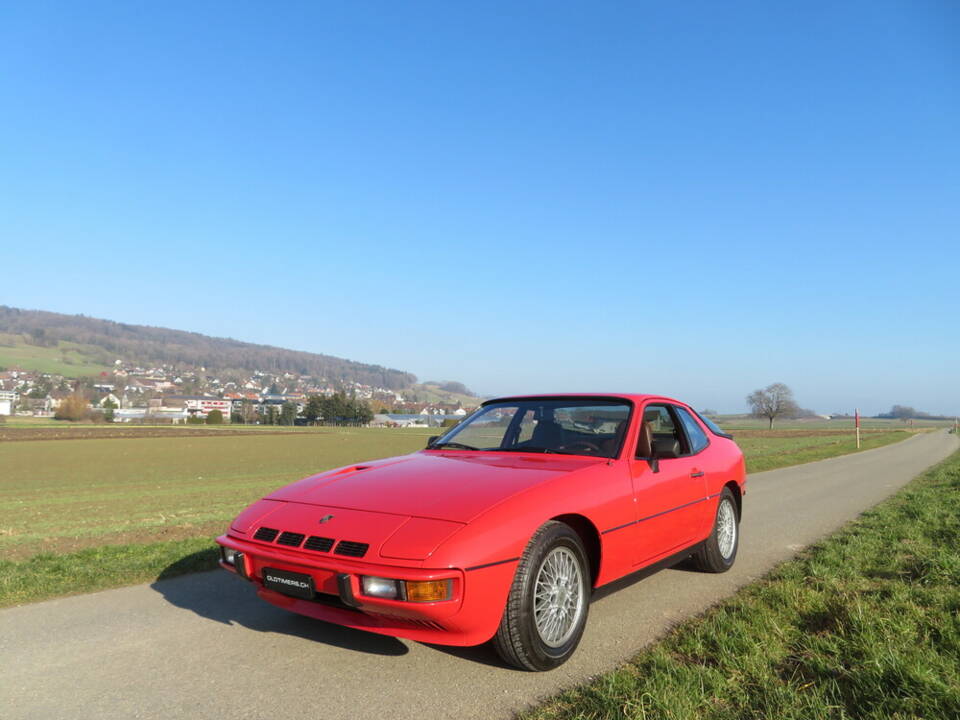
pixel 203 646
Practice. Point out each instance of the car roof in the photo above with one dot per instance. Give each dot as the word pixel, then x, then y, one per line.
pixel 633 397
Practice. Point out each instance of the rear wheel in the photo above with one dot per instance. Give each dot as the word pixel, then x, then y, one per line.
pixel 719 551
pixel 548 603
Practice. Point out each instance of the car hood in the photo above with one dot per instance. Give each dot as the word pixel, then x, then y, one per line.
pixel 345 532
pixel 443 486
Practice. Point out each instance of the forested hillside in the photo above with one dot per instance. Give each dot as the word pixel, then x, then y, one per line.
pixel 106 341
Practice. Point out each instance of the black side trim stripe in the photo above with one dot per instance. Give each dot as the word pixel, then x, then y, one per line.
pixel 498 562
pixel 678 507
pixel 651 517
pixel 620 527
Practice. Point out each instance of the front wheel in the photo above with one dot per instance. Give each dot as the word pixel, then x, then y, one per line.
pixel 548 603
pixel 719 551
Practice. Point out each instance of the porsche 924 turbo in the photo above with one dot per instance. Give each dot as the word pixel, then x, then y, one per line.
pixel 502 527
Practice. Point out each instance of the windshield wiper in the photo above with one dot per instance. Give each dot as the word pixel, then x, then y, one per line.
pixel 535 449
pixel 454 445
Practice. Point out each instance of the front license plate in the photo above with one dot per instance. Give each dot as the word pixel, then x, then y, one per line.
pixel 289 583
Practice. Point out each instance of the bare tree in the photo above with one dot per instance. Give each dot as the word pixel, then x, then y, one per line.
pixel 772 402
pixel 248 413
pixel 73 408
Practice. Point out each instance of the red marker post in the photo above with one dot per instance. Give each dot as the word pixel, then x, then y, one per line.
pixel 856 421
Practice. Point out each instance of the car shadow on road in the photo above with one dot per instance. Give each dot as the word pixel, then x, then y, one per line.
pixel 223 597
pixel 681 563
pixel 480 654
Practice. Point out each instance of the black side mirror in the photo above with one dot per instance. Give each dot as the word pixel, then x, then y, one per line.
pixel 431 440
pixel 654 464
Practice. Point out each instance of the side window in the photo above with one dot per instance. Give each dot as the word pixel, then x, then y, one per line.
pixel 658 428
pixel 527 426
pixel 698 438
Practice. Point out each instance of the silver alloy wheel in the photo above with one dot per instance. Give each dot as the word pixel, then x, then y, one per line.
pixel 726 529
pixel 558 597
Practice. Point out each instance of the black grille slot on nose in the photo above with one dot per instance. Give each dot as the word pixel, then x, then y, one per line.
pixel 351 549
pixel 320 544
pixel 291 539
pixel 266 534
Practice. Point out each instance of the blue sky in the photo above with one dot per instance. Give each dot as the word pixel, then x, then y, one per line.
pixel 690 198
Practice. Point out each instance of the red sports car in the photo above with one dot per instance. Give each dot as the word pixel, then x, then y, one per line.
pixel 502 527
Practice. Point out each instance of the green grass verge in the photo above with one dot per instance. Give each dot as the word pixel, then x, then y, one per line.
pixel 763 452
pixel 51 575
pixel 863 625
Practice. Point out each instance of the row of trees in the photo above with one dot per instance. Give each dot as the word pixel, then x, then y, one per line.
pixel 286 414
pixel 905 412
pixel 337 409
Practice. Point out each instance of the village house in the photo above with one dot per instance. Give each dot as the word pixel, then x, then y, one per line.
pixel 199 405
pixel 110 397
pixel 40 407
pixel 8 399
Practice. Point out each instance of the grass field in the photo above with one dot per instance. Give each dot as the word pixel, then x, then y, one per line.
pixel 88 511
pixel 63 495
pixel 771 449
pixel 67 358
pixel 736 423
pixel 864 625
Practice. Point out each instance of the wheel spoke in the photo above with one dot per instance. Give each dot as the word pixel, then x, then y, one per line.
pixel 726 529
pixel 558 598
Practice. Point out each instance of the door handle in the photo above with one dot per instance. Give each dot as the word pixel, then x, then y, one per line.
pixel 699 473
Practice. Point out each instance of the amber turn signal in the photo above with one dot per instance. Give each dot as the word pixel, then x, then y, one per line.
pixel 427 590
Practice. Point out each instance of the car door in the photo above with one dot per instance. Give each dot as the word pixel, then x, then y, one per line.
pixel 668 486
pixel 697 444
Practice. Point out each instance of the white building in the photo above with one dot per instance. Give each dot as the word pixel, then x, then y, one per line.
pixel 8 398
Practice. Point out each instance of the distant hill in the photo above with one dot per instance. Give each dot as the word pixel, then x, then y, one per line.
pixel 75 345
pixel 436 392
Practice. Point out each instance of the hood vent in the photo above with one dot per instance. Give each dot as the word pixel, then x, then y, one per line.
pixel 266 534
pixel 347 548
pixel 320 544
pixel 290 539
pixel 351 549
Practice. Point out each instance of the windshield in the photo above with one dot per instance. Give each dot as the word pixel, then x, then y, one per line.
pixel 593 427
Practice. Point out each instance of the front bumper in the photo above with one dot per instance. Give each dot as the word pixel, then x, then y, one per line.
pixel 467 618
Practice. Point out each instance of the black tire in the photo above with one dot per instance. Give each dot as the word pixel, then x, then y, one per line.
pixel 709 557
pixel 518 641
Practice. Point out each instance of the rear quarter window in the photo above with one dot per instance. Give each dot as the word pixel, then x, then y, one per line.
pixel 714 428
pixel 698 438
